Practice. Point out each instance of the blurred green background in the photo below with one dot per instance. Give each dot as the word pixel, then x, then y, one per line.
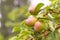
pixel 12 12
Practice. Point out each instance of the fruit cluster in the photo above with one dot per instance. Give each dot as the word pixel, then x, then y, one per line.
pixel 44 21
pixel 33 21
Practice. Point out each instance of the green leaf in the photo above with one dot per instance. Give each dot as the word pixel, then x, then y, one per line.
pixel 37 9
pixel 51 25
pixel 50 16
pixel 16 29
pixel 13 38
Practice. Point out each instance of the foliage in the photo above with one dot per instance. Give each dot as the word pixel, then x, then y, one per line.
pixel 49 16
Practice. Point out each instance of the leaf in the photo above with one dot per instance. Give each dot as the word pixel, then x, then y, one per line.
pixel 37 9
pixel 16 29
pixel 27 15
pixel 13 38
pixel 51 25
pixel 46 8
pixel 50 16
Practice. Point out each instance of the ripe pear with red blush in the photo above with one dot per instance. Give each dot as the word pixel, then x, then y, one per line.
pixel 32 10
pixel 38 26
pixel 30 21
